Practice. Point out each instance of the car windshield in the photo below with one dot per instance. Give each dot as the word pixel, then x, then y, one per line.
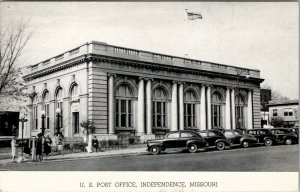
pixel 203 134
pixel 186 135
pixel 281 131
pixel 228 133
pixel 173 135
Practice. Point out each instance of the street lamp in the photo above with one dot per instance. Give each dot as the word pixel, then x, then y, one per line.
pixel 239 74
pixel 43 122
pixel 58 111
pixel 22 120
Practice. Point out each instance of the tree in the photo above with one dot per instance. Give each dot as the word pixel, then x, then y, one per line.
pixel 89 129
pixel 275 94
pixel 13 40
pixel 276 122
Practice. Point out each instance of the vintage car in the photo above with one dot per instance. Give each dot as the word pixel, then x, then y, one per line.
pixel 285 136
pixel 295 130
pixel 236 137
pixel 184 139
pixel 215 138
pixel 264 136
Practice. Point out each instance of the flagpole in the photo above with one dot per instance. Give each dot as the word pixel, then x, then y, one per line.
pixel 185 32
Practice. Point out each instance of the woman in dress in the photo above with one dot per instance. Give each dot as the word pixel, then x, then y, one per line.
pixel 47 145
pixel 39 147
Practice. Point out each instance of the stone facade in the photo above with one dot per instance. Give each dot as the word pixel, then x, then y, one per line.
pixel 145 94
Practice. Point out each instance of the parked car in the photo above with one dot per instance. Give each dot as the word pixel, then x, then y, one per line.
pixel 285 136
pixel 186 139
pixel 263 136
pixel 295 130
pixel 215 138
pixel 236 137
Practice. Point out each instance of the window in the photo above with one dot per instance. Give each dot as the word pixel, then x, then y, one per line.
pixel 274 112
pixel 76 122
pixel 46 100
pixel 173 135
pixel 59 104
pixel 35 112
pixel 216 111
pixel 239 111
pixel 189 110
pixel 238 133
pixel 203 134
pixel 123 107
pixel 212 134
pixel 228 134
pixel 288 112
pixel 74 92
pixel 159 108
pixel 187 135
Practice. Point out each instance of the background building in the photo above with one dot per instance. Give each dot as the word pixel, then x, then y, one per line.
pixel 265 97
pixel 134 92
pixel 288 111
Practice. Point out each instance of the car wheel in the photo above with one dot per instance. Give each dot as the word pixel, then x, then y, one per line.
pixel 155 150
pixel 268 142
pixel 220 145
pixel 193 148
pixel 288 141
pixel 245 144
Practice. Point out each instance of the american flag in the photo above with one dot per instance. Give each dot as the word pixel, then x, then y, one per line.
pixel 193 15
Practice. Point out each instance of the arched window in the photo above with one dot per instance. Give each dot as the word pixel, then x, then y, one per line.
pixel 159 108
pixel 46 100
pixel 124 98
pixel 35 112
pixel 190 109
pixel 216 111
pixel 239 111
pixel 75 115
pixel 59 105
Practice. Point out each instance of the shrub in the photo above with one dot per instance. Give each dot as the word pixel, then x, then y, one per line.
pixel 103 143
pixel 131 140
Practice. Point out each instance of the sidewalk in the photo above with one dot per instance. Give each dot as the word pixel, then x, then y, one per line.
pixel 139 149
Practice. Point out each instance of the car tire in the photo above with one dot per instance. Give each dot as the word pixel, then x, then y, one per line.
pixel 245 144
pixel 220 145
pixel 193 148
pixel 155 150
pixel 268 142
pixel 288 141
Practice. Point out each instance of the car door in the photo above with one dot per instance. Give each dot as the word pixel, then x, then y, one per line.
pixel 172 140
pixel 184 138
pixel 207 138
pixel 231 137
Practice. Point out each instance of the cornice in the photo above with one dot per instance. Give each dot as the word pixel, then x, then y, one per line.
pixel 147 65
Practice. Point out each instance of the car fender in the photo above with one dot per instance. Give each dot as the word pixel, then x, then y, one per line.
pixel 224 140
pixel 248 140
pixel 155 144
pixel 291 137
pixel 197 142
pixel 273 139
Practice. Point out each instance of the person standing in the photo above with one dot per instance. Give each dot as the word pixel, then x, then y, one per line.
pixel 39 147
pixel 95 143
pixel 59 142
pixel 13 149
pixel 47 145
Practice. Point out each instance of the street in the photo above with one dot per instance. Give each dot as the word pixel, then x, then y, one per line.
pixel 261 158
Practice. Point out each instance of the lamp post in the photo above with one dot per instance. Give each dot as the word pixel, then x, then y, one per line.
pixel 58 111
pixel 22 120
pixel 43 122
pixel 239 74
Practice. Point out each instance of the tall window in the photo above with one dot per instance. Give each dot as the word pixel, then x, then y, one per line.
pixel 46 100
pixel 76 122
pixel 216 111
pixel 239 112
pixel 59 104
pixel 74 92
pixel 274 112
pixel 189 110
pixel 75 115
pixel 35 112
pixel 159 108
pixel 123 107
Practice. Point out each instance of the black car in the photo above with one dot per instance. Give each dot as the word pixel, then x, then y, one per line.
pixel 186 139
pixel 215 138
pixel 295 130
pixel 285 136
pixel 236 137
pixel 263 136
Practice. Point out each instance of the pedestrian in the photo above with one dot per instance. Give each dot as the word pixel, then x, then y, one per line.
pixel 59 142
pixel 47 145
pixel 26 149
pixel 13 149
pixel 39 147
pixel 95 143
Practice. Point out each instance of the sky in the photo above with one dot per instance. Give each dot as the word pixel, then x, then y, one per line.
pixel 256 35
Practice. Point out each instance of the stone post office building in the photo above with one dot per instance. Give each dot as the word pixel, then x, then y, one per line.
pixel 141 93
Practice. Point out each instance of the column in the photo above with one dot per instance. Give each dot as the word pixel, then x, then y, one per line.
pixel 208 97
pixel 148 108
pixel 203 109
pixel 111 104
pixel 174 111
pixel 140 108
pixel 233 109
pixel 250 112
pixel 227 110
pixel 181 111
